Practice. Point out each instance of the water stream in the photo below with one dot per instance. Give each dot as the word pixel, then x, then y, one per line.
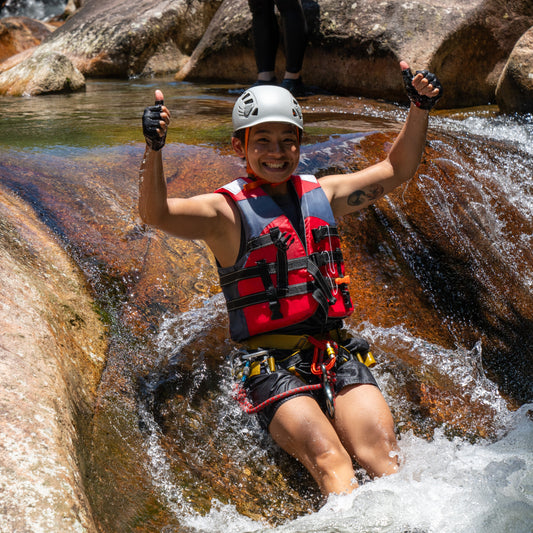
pixel 442 272
pixel 36 9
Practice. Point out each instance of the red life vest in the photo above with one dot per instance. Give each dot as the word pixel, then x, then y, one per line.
pixel 281 281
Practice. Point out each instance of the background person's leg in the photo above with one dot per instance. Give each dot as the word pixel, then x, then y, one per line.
pixel 294 34
pixel 266 37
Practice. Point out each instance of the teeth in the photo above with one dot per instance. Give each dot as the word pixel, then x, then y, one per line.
pixel 275 165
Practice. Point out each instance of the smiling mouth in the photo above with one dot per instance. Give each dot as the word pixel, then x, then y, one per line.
pixel 275 166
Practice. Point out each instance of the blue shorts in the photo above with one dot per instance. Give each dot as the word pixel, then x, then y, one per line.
pixel 266 385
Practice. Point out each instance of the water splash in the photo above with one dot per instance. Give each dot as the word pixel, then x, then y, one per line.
pixel 459 371
pixel 175 333
pixel 37 9
pixel 517 130
pixel 444 486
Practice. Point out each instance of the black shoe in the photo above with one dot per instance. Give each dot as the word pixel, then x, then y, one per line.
pixel 295 87
pixel 259 83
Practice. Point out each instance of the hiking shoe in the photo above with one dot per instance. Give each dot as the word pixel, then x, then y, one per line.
pixel 295 87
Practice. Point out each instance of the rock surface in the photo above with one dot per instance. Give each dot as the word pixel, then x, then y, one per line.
pixel 51 357
pixel 515 87
pixel 354 47
pixel 42 72
pixel 20 33
pixel 119 38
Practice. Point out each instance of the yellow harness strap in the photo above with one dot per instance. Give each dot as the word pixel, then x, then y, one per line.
pixel 288 342
pixel 298 342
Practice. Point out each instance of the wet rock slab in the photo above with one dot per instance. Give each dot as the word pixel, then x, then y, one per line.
pixel 51 355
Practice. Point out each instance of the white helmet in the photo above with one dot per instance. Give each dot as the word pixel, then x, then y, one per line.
pixel 266 103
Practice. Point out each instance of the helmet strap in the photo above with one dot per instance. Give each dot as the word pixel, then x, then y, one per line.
pixel 248 167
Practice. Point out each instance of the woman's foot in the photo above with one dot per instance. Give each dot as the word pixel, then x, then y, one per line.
pixel 295 86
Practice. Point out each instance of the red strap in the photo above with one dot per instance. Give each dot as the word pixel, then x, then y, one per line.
pixel 322 346
pixel 249 408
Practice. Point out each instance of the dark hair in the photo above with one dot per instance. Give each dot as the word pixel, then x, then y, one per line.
pixel 240 134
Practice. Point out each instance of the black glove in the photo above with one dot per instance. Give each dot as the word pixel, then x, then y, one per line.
pixel 423 102
pixel 151 119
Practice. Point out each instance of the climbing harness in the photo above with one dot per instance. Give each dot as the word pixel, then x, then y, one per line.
pixel 327 356
pixel 252 365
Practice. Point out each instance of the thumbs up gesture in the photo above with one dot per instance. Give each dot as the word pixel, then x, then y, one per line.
pixel 155 123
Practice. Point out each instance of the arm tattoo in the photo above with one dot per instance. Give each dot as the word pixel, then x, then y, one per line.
pixel 366 195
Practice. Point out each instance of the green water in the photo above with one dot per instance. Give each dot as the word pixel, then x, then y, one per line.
pixel 108 113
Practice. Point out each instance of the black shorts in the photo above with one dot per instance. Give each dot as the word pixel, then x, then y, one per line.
pixel 264 386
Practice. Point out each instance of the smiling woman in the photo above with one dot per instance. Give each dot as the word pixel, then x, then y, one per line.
pixel 282 274
pixel 272 120
pixel 272 152
pixel 441 276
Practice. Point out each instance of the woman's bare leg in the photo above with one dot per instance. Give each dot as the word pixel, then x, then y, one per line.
pixel 366 429
pixel 303 430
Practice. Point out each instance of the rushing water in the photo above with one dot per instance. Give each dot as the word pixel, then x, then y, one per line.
pixel 36 9
pixel 165 400
pixel 446 485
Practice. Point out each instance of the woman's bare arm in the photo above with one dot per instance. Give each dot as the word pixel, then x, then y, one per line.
pixel 351 192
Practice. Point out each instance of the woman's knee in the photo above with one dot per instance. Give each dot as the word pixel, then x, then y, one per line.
pixel 332 468
pixel 328 456
pixel 379 456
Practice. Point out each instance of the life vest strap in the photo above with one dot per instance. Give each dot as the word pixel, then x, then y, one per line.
pixel 270 292
pixel 318 258
pixel 323 232
pixel 282 242
pixel 255 271
pixel 321 282
pixel 262 297
pixel 319 289
pixel 258 242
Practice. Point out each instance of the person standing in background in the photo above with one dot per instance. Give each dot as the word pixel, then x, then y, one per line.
pixel 266 39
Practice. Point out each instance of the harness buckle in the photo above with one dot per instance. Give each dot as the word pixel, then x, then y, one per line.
pixel 322 347
pixel 245 364
pixel 322 369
